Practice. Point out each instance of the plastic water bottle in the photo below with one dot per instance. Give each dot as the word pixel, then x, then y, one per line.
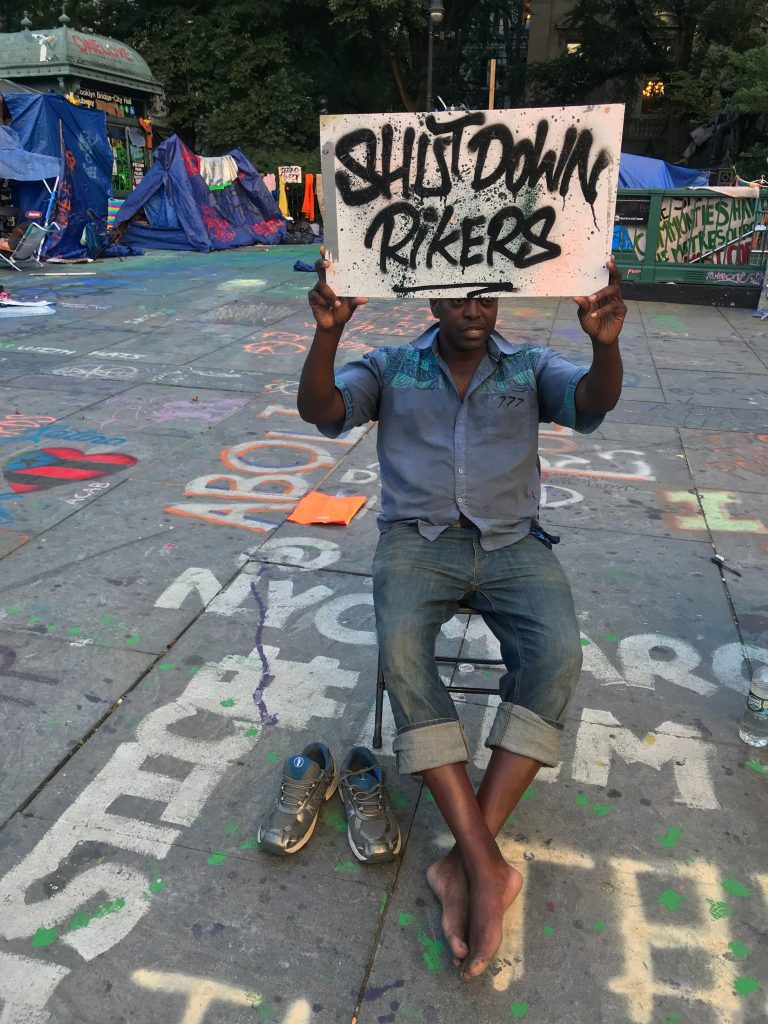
pixel 754 725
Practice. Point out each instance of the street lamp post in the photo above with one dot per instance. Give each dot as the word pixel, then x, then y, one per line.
pixel 436 15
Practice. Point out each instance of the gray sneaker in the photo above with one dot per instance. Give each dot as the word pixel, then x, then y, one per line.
pixel 308 779
pixel 372 827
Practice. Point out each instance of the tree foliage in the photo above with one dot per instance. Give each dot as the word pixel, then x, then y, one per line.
pixel 255 74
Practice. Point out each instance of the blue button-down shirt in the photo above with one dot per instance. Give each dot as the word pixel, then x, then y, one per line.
pixel 440 456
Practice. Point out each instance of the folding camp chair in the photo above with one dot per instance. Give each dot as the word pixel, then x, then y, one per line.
pixel 30 245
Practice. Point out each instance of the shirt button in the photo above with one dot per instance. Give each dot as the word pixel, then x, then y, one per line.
pixel 461 470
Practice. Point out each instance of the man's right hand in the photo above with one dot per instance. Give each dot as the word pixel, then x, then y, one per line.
pixel 328 310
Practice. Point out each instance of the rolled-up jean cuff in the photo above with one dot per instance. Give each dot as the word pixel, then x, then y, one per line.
pixel 521 731
pixel 430 746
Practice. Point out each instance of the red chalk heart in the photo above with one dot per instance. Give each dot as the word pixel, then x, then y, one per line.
pixel 43 468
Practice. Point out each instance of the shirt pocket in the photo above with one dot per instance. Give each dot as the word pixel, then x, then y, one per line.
pixel 512 414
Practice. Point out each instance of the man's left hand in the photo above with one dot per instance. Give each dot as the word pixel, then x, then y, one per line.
pixel 602 315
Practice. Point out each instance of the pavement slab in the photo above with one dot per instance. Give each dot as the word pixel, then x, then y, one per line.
pixel 167 638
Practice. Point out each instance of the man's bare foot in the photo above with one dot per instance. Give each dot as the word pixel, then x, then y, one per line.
pixel 489 900
pixel 448 882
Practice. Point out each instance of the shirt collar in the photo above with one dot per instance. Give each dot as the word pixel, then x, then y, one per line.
pixel 497 343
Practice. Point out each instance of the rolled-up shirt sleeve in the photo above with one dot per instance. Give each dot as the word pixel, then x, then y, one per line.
pixel 360 385
pixel 556 380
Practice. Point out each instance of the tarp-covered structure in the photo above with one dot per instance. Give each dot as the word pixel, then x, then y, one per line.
pixel 174 207
pixel 50 125
pixel 646 172
pixel 18 164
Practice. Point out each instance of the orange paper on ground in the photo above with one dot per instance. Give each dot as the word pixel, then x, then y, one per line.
pixel 317 507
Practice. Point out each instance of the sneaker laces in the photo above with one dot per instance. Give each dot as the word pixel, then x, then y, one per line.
pixel 293 792
pixel 369 802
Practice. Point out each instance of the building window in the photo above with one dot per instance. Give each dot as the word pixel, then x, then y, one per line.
pixel 653 95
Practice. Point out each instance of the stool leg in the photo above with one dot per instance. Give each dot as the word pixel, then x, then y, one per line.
pixel 379 707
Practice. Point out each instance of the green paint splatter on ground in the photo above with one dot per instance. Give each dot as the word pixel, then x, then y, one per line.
pixel 347 867
pixel 166 666
pixel 758 767
pixel 428 798
pixel 192 669
pixel 433 952
pixel 53 725
pixel 52 627
pixel 156 885
pixel 510 820
pixel 671 837
pixel 251 731
pixel 599 926
pixel 400 799
pixel 528 794
pixel 739 949
pixel 81 920
pixel 13 610
pixel 106 620
pixel 610 638
pixel 133 640
pixel 673 1018
pixel 746 986
pixel 383 902
pixel 232 827
pixel 272 756
pixel 582 800
pixel 44 937
pixel 217 857
pixel 548 929
pixel 74 630
pixel 518 1009
pixel 109 908
pixel 601 810
pixel 735 888
pixel 670 899
pixel 265 1014
pixel 584 642
pixel 404 918
pixel 718 909
pixel 33 619
pixel 333 816
pixel 228 703
pixel 252 843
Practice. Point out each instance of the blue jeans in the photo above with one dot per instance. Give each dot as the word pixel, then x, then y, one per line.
pixel 522 594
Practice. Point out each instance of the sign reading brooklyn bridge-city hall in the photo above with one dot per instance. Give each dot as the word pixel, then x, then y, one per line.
pixel 489 202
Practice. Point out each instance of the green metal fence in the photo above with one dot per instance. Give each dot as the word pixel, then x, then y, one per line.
pixel 691 236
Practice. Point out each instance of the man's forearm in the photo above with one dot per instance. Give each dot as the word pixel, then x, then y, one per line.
pixel 600 389
pixel 318 400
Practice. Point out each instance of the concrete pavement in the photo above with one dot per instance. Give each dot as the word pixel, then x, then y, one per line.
pixel 166 639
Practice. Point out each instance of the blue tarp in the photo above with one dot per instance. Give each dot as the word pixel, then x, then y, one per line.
pixel 49 124
pixel 645 172
pixel 19 164
pixel 182 212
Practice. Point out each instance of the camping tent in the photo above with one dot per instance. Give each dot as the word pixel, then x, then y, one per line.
pixel 645 172
pixel 174 207
pixel 49 124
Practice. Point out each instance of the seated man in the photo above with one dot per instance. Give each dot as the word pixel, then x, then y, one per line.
pixel 458 412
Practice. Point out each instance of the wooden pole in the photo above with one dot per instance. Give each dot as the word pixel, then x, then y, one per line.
pixel 492 84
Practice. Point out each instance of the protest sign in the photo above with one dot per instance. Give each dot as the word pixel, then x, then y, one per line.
pixel 492 202
pixel 290 173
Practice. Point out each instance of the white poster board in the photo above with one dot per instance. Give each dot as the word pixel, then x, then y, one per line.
pixel 499 202
pixel 290 173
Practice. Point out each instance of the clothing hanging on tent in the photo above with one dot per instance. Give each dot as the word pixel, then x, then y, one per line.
pixel 308 206
pixel 217 170
pixel 282 200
